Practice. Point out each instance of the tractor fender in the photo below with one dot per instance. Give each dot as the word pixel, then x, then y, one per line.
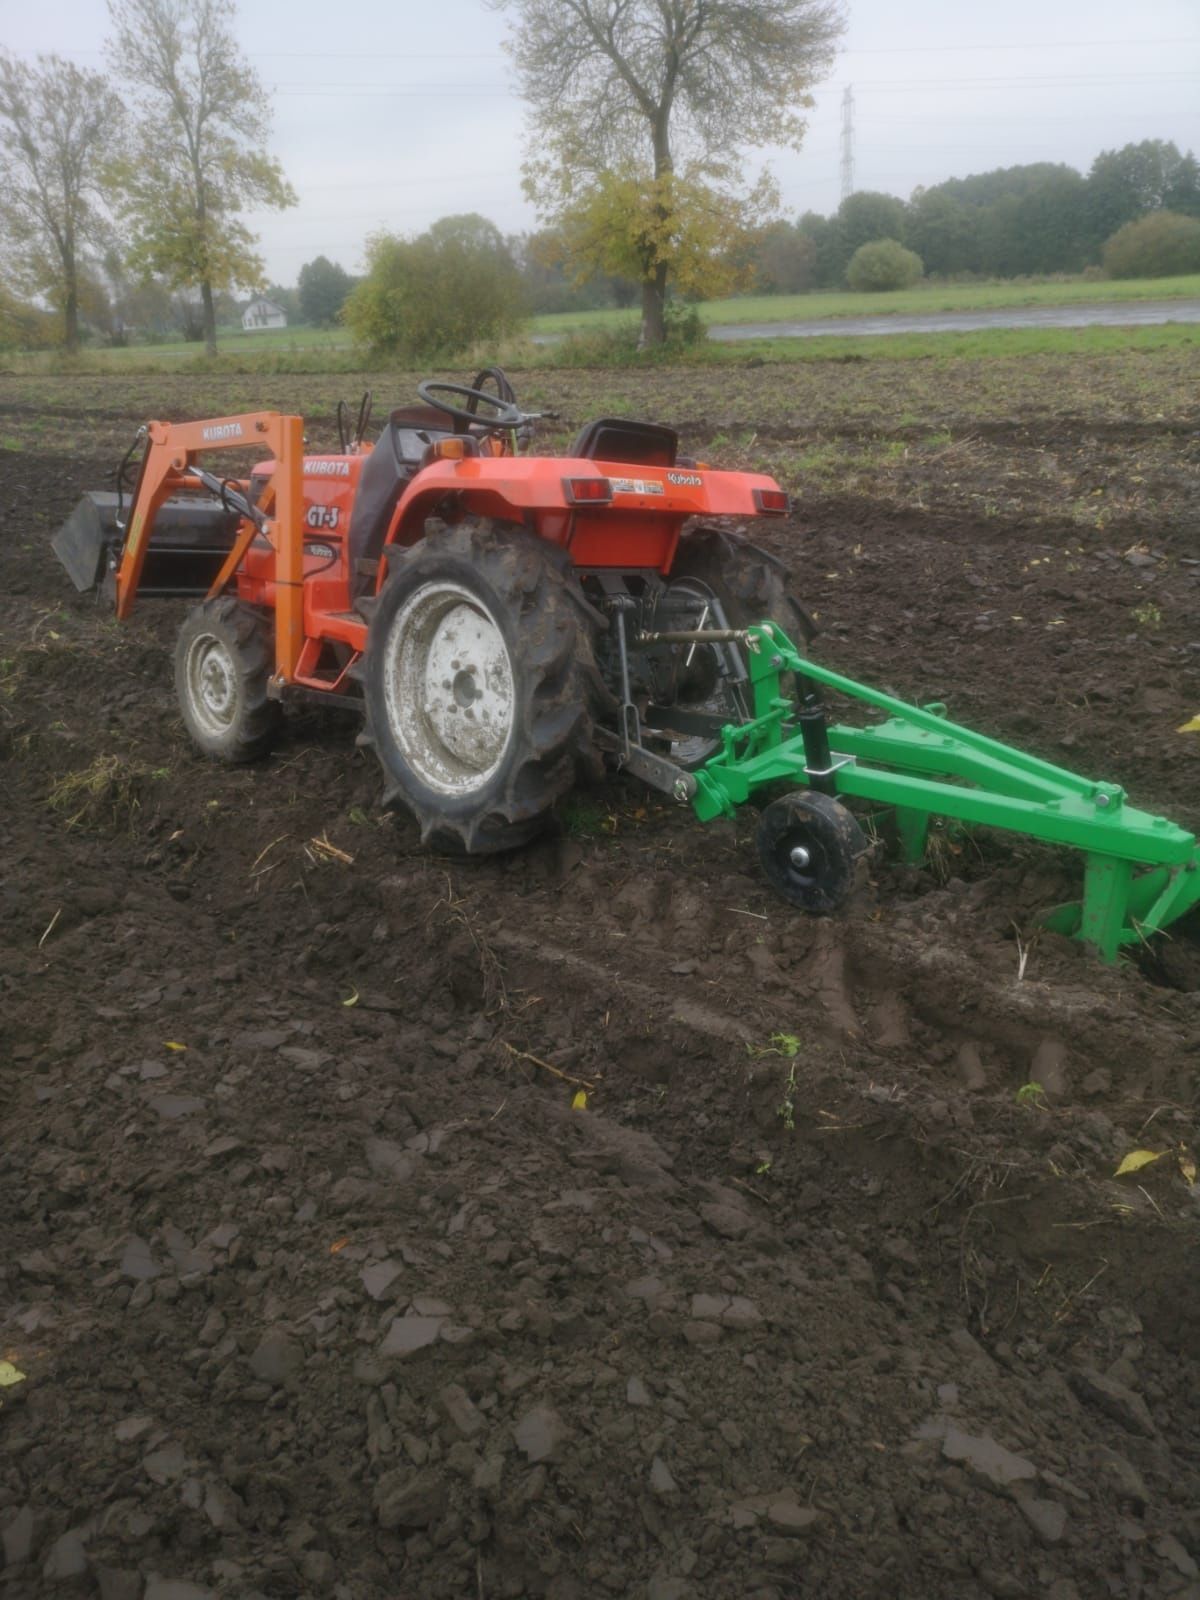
pixel 502 488
pixel 529 489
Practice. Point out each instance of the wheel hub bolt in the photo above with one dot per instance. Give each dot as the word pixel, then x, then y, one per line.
pixel 799 857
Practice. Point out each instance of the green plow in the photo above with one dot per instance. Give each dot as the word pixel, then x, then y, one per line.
pixel 1140 872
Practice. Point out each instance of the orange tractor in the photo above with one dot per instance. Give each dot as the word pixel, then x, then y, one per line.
pixel 508 623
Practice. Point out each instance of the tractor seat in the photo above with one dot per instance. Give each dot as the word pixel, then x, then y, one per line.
pixel 385 476
pixel 399 452
pixel 643 444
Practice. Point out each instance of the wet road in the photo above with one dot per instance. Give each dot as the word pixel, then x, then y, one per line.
pixel 1089 314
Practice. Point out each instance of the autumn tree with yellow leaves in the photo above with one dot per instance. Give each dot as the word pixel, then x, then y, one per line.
pixel 639 110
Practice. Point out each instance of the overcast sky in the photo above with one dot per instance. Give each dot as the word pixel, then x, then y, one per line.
pixel 391 113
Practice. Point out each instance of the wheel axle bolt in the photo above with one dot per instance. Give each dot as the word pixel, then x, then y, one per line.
pixel 799 857
pixel 680 790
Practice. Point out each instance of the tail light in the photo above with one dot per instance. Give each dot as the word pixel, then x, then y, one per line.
pixel 587 491
pixel 772 502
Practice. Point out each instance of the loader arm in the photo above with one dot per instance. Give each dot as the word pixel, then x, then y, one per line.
pixel 170 464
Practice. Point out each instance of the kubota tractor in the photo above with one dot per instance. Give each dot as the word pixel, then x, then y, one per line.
pixel 509 623
pixel 506 622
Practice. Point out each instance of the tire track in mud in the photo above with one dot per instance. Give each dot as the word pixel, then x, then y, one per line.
pixel 602 978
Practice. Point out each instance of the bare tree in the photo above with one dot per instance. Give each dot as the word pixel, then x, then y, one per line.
pixel 200 158
pixel 58 124
pixel 662 94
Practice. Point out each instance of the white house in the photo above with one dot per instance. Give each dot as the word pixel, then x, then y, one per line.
pixel 263 313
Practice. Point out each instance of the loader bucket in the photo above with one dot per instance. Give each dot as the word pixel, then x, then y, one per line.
pixel 81 542
pixel 191 538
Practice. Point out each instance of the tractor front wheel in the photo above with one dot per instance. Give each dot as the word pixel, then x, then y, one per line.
pixel 222 667
pixel 480 683
pixel 808 844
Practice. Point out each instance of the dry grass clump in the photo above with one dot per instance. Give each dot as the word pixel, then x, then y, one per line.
pixel 107 793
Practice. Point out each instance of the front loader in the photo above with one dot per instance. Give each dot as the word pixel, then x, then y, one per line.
pixel 510 624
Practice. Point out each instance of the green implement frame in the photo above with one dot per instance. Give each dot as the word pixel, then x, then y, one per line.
pixel 1140 871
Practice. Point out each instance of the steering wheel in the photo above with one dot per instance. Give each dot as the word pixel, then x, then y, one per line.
pixel 497 376
pixel 500 413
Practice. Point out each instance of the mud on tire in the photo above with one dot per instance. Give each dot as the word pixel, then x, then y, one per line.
pixel 480 684
pixel 223 663
pixel 750 583
pixel 751 586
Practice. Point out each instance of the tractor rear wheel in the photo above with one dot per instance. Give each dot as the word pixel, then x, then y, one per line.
pixel 750 585
pixel 480 684
pixel 223 661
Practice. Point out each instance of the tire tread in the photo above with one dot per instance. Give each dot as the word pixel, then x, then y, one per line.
pixel 247 631
pixel 554 661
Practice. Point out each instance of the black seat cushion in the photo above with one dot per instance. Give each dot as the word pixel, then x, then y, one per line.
pixel 645 444
pixel 399 451
pixel 385 475
pixel 380 486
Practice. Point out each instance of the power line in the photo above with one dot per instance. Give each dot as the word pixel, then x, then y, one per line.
pixel 851 50
pixel 453 93
pixel 1040 118
pixel 1018 44
pixel 1055 79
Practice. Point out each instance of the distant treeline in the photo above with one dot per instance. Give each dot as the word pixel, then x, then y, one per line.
pixel 1016 221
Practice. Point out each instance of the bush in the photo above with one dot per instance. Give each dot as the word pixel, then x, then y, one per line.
pixel 683 325
pixel 883 264
pixel 1160 245
pixel 24 327
pixel 435 295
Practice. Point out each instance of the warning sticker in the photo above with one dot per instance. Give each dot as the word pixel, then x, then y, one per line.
pixel 636 486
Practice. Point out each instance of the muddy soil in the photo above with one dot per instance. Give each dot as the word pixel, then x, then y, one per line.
pixel 318 1281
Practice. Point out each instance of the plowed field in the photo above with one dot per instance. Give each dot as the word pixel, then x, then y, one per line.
pixel 318 1283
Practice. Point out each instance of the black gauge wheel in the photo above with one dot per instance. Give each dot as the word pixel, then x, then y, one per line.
pixel 808 844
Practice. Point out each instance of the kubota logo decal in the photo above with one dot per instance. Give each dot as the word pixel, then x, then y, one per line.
pixel 315 467
pixel 226 430
pixel 685 480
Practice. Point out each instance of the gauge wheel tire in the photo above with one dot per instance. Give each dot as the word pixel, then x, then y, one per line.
pixel 480 684
pixel 809 845
pixel 223 664
pixel 751 586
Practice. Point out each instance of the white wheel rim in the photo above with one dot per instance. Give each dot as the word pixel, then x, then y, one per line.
pixel 448 688
pixel 212 683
